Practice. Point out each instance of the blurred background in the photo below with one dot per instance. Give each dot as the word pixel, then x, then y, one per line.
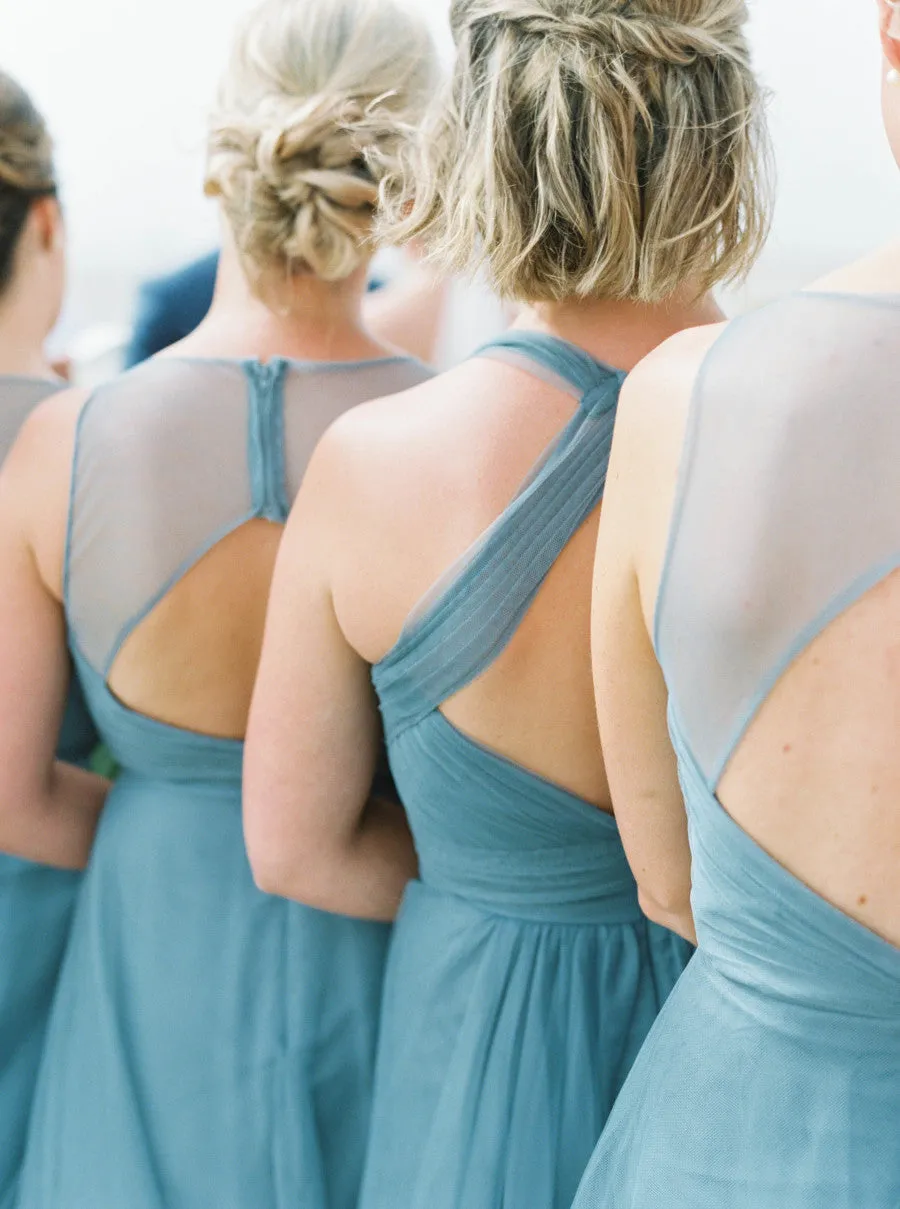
pixel 125 86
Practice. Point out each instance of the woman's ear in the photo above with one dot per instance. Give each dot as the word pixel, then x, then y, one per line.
pixel 889 15
pixel 47 224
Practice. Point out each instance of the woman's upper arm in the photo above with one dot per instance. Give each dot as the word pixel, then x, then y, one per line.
pixel 34 659
pixel 314 728
pixel 632 698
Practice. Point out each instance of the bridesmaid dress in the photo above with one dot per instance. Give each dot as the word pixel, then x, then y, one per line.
pixel 209 1045
pixel 522 977
pixel 772 1077
pixel 36 903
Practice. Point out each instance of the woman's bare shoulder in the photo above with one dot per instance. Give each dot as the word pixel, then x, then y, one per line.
pixel 403 415
pixel 876 273
pixel 393 444
pixel 657 394
pixel 36 476
pixel 44 445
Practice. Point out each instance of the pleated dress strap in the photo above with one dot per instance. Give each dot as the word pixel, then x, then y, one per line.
pixel 471 615
pixel 556 361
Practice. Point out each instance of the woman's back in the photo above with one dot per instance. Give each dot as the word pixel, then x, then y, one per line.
pixel 209 1043
pixel 599 162
pixel 775 622
pixel 182 473
pixel 461 571
pixel 773 1075
pixel 471 668
pixel 476 436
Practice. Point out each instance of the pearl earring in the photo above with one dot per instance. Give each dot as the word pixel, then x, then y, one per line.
pixel 893 77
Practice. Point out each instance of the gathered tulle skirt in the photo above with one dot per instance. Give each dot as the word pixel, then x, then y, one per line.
pixel 36 906
pixel 504 1043
pixel 743 1100
pixel 209 1045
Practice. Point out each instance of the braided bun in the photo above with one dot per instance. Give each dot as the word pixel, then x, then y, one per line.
pixel 311 115
pixel 588 148
pixel 26 167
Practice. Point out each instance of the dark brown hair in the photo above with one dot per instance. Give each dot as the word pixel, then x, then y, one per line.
pixel 26 168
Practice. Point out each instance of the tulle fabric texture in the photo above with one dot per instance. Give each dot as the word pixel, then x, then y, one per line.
pixel 772 1078
pixel 522 976
pixel 209 1045
pixel 36 902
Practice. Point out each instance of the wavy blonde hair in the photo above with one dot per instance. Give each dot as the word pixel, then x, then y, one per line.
pixel 26 167
pixel 318 98
pixel 591 148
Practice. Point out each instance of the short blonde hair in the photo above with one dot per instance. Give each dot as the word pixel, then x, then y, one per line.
pixel 318 98
pixel 591 148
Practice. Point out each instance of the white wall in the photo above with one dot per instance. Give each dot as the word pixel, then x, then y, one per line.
pixel 125 83
pixel 838 187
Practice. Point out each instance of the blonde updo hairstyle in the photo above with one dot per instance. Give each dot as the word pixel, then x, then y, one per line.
pixel 591 148
pixel 26 168
pixel 312 112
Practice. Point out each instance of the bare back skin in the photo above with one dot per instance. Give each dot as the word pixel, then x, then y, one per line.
pixel 192 662
pixel 815 778
pixel 433 469
pixel 469 440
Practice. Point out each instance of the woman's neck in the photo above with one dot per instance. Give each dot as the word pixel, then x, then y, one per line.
pixel 301 317
pixel 23 331
pixel 620 333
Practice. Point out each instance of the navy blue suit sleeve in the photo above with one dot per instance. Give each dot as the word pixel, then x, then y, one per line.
pixel 169 308
pixel 155 326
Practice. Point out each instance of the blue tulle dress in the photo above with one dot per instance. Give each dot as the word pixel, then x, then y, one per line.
pixel 522 977
pixel 36 903
pixel 772 1077
pixel 209 1046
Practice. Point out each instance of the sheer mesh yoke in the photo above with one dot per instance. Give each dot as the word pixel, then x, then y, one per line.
pixel 470 616
pixel 771 1079
pixel 208 1044
pixel 178 453
pixel 787 508
pixel 18 397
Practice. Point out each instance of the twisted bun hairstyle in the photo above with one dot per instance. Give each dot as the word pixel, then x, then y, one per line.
pixel 26 168
pixel 591 148
pixel 318 98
